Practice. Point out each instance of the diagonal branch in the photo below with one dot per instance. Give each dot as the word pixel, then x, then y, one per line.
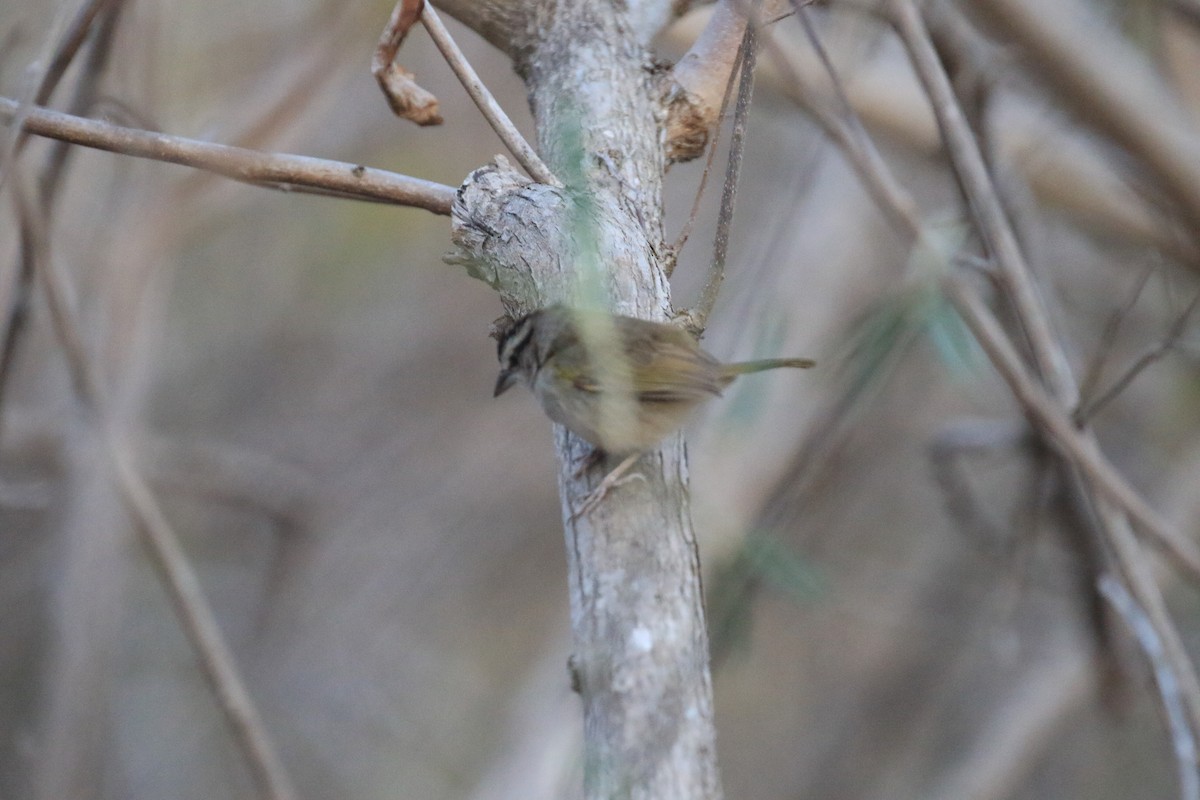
pixel 1063 435
pixel 1089 408
pixel 1165 677
pixel 178 577
pixel 1107 82
pixel 747 56
pixel 491 110
pixel 994 227
pixel 1096 483
pixel 274 170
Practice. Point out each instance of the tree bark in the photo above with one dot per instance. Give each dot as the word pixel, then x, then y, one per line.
pixel 640 658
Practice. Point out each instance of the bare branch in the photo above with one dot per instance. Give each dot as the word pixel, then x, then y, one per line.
pixel 1064 436
pixel 1108 336
pixel 406 98
pixel 175 571
pixel 696 84
pixel 63 54
pixel 199 624
pixel 84 95
pixel 1103 78
pixel 696 103
pixel 1089 409
pixel 274 170
pixel 698 317
pixel 17 288
pixel 843 127
pixel 1092 474
pixel 993 222
pixel 492 112
pixel 1166 676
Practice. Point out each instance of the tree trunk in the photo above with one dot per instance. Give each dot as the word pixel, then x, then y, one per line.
pixel 640 658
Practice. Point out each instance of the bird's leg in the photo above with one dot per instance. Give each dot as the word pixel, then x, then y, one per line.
pixel 611 481
pixel 593 459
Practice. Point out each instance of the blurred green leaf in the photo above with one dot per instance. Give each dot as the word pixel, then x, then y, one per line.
pixel 762 562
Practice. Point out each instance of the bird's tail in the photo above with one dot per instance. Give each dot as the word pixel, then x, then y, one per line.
pixel 731 371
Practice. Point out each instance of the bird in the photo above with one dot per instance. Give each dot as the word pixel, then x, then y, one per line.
pixel 621 383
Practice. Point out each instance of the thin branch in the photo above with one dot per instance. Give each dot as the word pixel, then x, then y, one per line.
pixel 86 90
pixel 1089 409
pixel 1092 479
pixel 1165 676
pixel 1108 336
pixel 17 284
pixel 175 571
pixel 1064 436
pixel 18 289
pixel 492 112
pixel 273 170
pixel 839 91
pixel 698 318
pixel 715 139
pixel 1090 464
pixel 993 223
pixel 57 63
pixel 1183 552
pixel 847 132
pixel 199 624
pixel 1103 78
pixel 69 46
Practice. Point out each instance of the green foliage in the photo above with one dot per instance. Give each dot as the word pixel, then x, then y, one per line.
pixel 762 563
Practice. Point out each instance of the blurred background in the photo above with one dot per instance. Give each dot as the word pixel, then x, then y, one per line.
pixel 899 602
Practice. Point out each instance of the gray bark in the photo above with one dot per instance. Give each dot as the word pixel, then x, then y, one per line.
pixel 640 657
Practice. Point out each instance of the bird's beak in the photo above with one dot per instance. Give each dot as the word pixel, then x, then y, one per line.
pixel 504 380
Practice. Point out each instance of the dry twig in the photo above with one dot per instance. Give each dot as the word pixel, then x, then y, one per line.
pixel 1103 79
pixel 1108 336
pixel 847 132
pixel 491 110
pixel 1093 473
pixel 1169 691
pixel 1088 408
pixel 698 317
pixel 273 170
pixel 179 579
